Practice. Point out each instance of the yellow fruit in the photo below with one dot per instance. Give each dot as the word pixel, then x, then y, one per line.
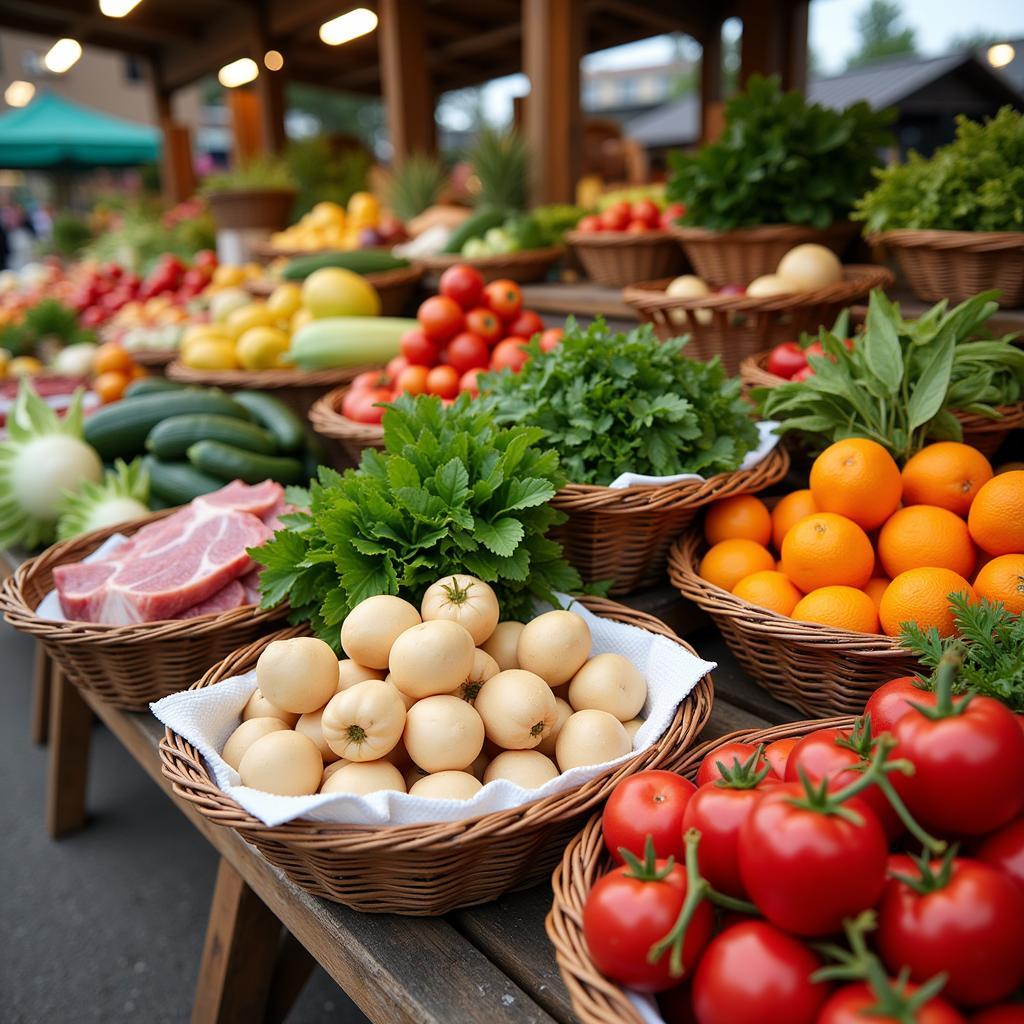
pixel 210 354
pixel 255 314
pixel 204 332
pixel 262 348
pixel 228 276
pixel 324 213
pixel 300 319
pixel 285 300
pixel 5 358
pixel 333 291
pixel 224 303
pixel 24 366
pixel 364 209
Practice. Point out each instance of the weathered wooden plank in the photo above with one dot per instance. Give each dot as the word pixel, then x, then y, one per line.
pixel 667 604
pixel 70 732
pixel 39 717
pixel 291 972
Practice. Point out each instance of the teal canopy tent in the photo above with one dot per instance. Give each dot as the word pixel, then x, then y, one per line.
pixel 52 132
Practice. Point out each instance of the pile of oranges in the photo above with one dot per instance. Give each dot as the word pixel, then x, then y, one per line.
pixel 867 547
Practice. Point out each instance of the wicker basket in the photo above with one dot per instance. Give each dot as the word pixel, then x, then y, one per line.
pixel 737 257
pixel 349 435
pixel 955 265
pixel 125 666
pixel 736 326
pixel 596 999
pixel 819 670
pixel 154 358
pixel 433 868
pixel 526 267
pixel 623 534
pixel 395 287
pixel 620 258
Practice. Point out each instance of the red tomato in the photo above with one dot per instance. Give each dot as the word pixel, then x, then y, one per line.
pixel 624 916
pixel 484 323
pixel 511 354
pixel 440 317
pixel 526 325
pixel 370 379
pixel 671 214
pixel 362 406
pixel 970 924
pixel 754 973
pixel 785 359
pixel 807 371
pixel 777 755
pixel 466 351
pixel 1004 849
pixel 590 224
pixel 443 381
pixel 637 227
pixel 1005 1013
pixel 205 259
pixel 729 754
pixel 463 283
pixel 551 338
pixel 857 1004
pixel 396 366
pixel 645 210
pixel 807 870
pixel 412 380
pixel 891 701
pixel 647 804
pixel 468 381
pixel 505 298
pixel 418 348
pixel 616 217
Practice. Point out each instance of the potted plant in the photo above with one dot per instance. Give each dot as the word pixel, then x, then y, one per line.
pixel 258 194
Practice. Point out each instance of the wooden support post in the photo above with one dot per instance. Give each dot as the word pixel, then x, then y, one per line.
pixel 269 89
pixel 177 172
pixel 246 129
pixel 552 48
pixel 711 82
pixel 794 56
pixel 41 678
pixel 70 733
pixel 774 41
pixel 405 78
pixel 291 972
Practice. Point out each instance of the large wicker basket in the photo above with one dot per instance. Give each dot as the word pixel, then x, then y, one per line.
pixel 432 868
pixel 350 436
pixel 819 670
pixel 620 258
pixel 125 666
pixel 596 999
pixel 395 287
pixel 955 265
pixel 738 256
pixel 623 534
pixel 736 326
pixel 526 267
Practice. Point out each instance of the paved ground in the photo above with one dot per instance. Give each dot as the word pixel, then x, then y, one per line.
pixel 107 924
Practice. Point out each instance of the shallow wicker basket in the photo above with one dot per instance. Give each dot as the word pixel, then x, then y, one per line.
pixel 395 287
pixel 348 434
pixel 596 999
pixel 736 326
pixel 154 358
pixel 819 670
pixel 623 534
pixel 433 868
pixel 620 258
pixel 125 666
pixel 526 267
pixel 955 265
pixel 737 257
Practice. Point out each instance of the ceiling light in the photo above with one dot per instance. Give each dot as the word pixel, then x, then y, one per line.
pixel 117 8
pixel 19 94
pixel 348 26
pixel 273 60
pixel 62 55
pixel 1001 54
pixel 238 72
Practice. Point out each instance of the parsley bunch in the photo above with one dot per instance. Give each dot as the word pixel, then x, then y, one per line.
pixel 613 403
pixel 452 492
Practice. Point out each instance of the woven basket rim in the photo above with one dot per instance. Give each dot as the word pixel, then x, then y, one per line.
pixel 261 380
pixel 379 279
pixel 198 785
pixel 620 239
pixel 525 257
pixel 763 232
pixel 153 356
pixel 937 238
pixel 328 421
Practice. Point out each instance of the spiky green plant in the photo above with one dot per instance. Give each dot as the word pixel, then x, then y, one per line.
pixel 122 495
pixel 501 164
pixel 416 184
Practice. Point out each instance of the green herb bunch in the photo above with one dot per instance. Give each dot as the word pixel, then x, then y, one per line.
pixel 976 183
pixel 780 160
pixel 611 403
pixel 902 380
pixel 451 492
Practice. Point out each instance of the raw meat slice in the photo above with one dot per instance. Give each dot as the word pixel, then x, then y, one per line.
pixel 225 600
pixel 257 499
pixel 251 585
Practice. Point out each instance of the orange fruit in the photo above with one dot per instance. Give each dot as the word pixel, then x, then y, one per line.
pixel 790 510
pixel 110 386
pixel 841 607
pixel 729 561
pixel 948 474
pixel 922 596
pixel 875 588
pixel 921 535
pixel 996 518
pixel 742 515
pixel 111 357
pixel 1002 579
pixel 859 479
pixel 768 589
pixel 826 549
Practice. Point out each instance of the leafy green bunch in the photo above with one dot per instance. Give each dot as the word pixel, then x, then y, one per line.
pixel 901 381
pixel 780 160
pixel 48 318
pixel 451 492
pixel 976 183
pixel 611 403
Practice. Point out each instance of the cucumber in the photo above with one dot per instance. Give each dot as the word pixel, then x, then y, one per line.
pixel 177 483
pixel 348 341
pixel 274 416
pixel 172 438
pixel 120 430
pixel 151 385
pixel 359 261
pixel 475 226
pixel 231 463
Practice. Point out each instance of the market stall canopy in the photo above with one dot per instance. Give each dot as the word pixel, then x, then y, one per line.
pixel 54 132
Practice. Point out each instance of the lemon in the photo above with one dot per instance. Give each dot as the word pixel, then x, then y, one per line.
pixel 224 303
pixel 228 276
pixel 261 348
pixel 285 300
pixel 199 332
pixel 255 314
pixel 333 291
pixel 210 354
pixel 364 209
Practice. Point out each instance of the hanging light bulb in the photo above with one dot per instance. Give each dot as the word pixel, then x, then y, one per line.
pixel 62 55
pixel 238 72
pixel 347 27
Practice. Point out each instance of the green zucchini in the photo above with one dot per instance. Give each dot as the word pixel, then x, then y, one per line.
pixel 231 463
pixel 359 261
pixel 120 430
pixel 274 416
pixel 475 226
pixel 177 483
pixel 150 386
pixel 172 438
pixel 348 341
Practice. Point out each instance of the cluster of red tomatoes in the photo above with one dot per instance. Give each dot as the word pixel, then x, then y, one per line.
pixel 638 216
pixel 789 360
pixel 797 843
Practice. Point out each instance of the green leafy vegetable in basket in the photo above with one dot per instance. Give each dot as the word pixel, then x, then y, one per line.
pixel 780 160
pixel 613 403
pixel 903 379
pixel 452 492
pixel 976 183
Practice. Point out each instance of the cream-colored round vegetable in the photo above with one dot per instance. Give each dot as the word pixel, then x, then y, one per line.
pixel 591 737
pixel 810 266
pixel 527 768
pixel 450 785
pixel 501 645
pixel 479 765
pixel 365 777
pixel 351 672
pixel 632 728
pixel 609 682
pixel 443 733
pixel 406 699
pixel 258 706
pixel 688 286
pixel 365 721
pixel 562 712
pixel 246 735
pixel 463 599
pixel 310 724
pixel 299 675
pixel 770 284
pixel 518 709
pixel 484 666
pixel 286 763
pixel 432 658
pixel 330 769
pixel 554 646
pixel 370 629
